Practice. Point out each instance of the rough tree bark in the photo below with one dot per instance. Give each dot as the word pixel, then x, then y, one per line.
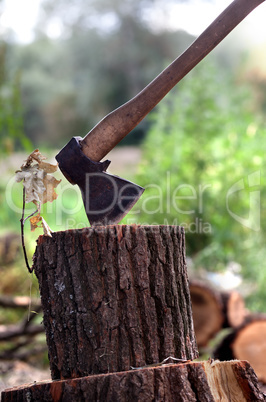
pixel 233 381
pixel 114 297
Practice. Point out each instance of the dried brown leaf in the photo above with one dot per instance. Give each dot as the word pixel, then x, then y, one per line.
pixel 34 220
pixel 34 224
pixel 50 183
pixel 39 185
pixel 48 167
pixel 36 155
pixel 39 188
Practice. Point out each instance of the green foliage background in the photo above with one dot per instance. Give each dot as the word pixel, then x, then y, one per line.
pixel 205 137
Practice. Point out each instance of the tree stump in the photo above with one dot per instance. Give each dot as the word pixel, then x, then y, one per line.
pixel 114 297
pixel 233 381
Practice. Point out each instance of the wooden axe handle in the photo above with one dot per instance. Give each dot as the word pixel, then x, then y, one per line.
pixel 116 125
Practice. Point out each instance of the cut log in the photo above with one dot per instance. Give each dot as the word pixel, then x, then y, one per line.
pixel 235 311
pixel 233 381
pixel 207 307
pixel 114 297
pixel 247 342
pixel 214 310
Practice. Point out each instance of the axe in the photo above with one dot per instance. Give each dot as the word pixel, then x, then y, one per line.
pixel 108 198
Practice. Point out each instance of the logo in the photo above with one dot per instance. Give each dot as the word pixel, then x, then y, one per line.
pixel 239 189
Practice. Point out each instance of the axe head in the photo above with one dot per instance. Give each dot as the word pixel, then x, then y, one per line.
pixel 107 198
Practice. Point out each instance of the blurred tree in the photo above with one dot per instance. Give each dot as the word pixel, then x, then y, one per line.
pixel 47 91
pixel 203 168
pixel 104 15
pixel 71 83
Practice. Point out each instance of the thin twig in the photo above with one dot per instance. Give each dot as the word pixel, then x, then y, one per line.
pixel 22 221
pixel 26 322
pixel 29 216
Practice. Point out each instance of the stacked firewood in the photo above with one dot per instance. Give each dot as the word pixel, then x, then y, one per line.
pixel 245 337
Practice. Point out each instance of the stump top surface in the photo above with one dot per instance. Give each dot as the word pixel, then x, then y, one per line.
pixel 190 381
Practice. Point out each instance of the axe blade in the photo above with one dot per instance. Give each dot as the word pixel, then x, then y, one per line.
pixel 107 198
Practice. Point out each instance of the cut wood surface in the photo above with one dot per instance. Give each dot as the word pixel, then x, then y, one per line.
pixel 214 310
pixel 233 381
pixel 207 307
pixel 247 342
pixel 235 311
pixel 114 297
